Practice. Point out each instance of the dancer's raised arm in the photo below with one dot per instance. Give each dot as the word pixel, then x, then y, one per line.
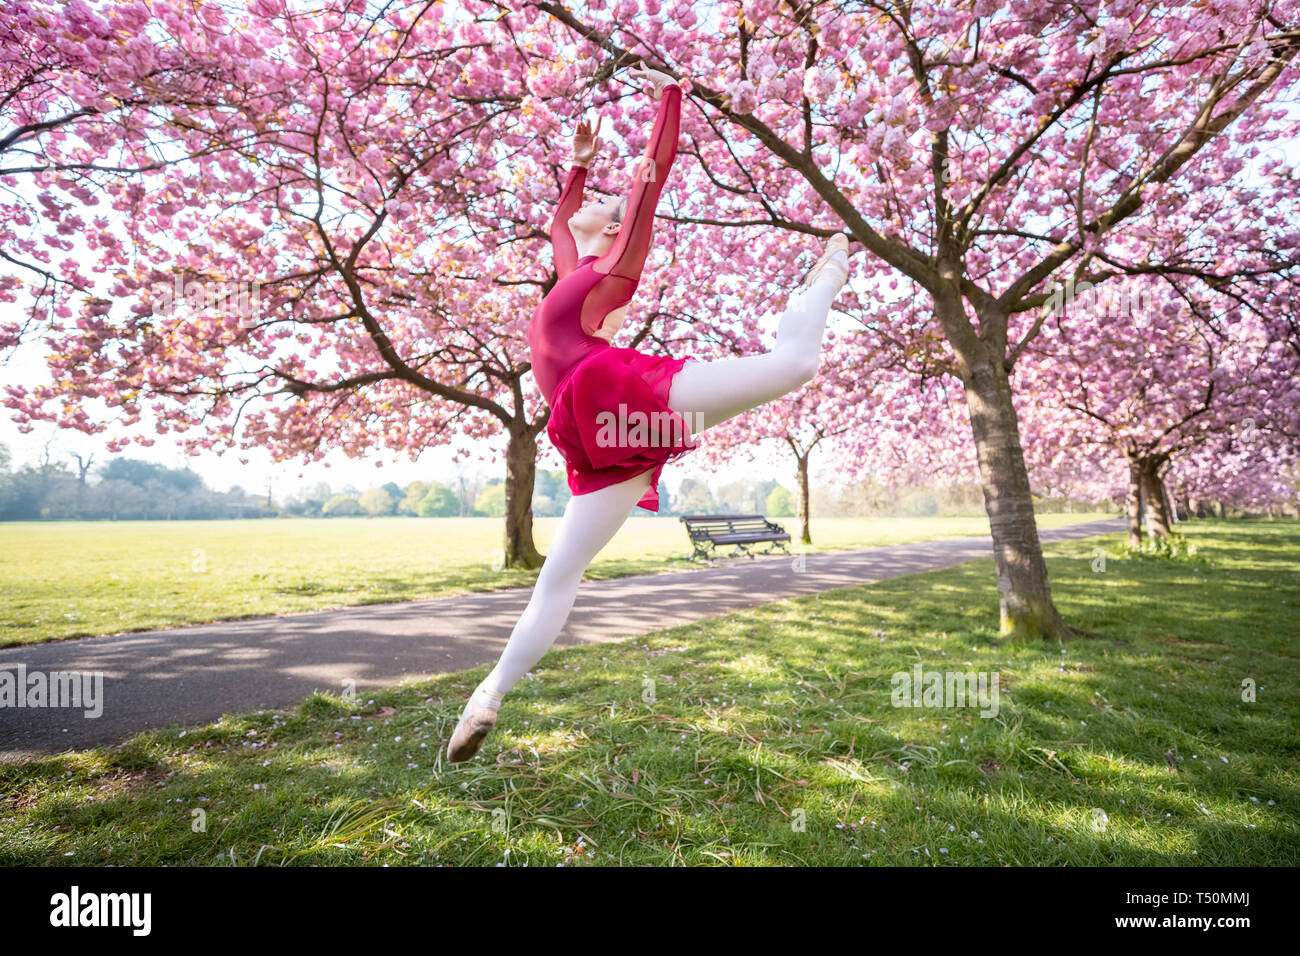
pixel 632 244
pixel 562 245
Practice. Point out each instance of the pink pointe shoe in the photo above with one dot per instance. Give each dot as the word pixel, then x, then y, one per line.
pixel 471 730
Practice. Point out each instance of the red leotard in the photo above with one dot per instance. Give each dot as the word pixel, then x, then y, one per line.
pixel 582 375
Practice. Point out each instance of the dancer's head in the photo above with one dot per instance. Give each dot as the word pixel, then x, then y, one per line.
pixel 599 221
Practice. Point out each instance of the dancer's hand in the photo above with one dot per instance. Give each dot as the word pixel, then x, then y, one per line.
pixel 585 140
pixel 660 79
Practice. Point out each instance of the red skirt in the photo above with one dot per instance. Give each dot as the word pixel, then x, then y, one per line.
pixel 610 420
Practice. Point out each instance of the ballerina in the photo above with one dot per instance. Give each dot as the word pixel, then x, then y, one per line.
pixel 600 249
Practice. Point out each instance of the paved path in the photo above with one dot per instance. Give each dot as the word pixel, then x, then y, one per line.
pixel 195 674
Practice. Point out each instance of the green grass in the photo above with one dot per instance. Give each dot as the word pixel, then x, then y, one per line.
pixel 767 737
pixel 76 579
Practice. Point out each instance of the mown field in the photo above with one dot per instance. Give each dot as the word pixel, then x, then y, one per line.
pixel 76 579
pixel 1165 736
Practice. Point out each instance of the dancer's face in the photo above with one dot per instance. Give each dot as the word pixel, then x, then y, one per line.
pixel 596 217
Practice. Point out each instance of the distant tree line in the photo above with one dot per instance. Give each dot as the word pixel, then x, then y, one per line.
pixel 132 489
pixel 694 497
pixel 872 499
pixel 124 489
pixel 465 497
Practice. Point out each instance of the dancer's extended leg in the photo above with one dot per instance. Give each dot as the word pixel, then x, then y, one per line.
pixel 589 522
pixel 714 392
pixel 707 393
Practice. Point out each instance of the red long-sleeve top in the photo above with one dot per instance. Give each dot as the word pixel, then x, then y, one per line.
pixel 589 289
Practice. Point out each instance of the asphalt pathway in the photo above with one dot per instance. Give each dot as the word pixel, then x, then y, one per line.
pixel 193 675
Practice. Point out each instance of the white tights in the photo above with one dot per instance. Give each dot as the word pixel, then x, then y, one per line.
pixel 713 392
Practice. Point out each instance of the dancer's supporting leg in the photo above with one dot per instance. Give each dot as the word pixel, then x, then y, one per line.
pixel 589 522
pixel 707 393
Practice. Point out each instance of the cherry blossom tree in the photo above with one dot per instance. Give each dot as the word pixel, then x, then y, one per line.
pixel 1148 370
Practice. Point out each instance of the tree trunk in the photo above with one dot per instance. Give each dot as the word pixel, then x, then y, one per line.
pixel 82 468
pixel 1026 598
pixel 1134 502
pixel 1153 490
pixel 805 511
pixel 521 471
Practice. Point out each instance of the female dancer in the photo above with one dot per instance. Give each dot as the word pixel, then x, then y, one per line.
pixel 583 377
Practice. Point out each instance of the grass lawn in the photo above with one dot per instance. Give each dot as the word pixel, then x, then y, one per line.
pixel 767 737
pixel 75 579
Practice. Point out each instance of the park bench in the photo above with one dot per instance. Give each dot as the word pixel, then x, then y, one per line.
pixel 740 531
